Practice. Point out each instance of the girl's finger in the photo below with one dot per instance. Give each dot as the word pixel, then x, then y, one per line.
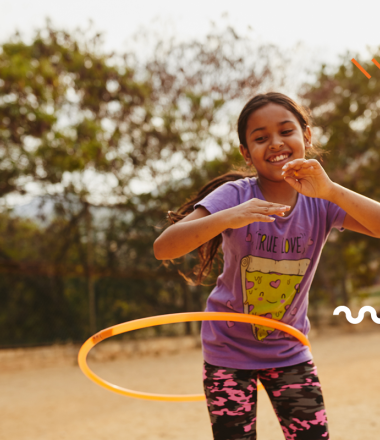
pixel 313 162
pixel 271 210
pixel 293 181
pixel 300 163
pixel 296 163
pixel 262 218
pixel 274 208
pixel 306 166
pixel 291 169
pixel 269 207
pixel 302 172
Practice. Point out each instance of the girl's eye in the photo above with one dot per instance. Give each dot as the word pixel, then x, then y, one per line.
pixel 287 131
pixel 260 139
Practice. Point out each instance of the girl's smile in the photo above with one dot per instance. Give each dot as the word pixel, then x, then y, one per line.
pixel 280 159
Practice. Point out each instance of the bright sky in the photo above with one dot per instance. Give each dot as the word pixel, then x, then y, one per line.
pixel 331 26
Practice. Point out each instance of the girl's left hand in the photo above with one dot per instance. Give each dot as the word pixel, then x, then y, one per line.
pixel 307 177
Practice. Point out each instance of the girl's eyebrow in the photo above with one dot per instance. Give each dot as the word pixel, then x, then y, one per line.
pixel 263 128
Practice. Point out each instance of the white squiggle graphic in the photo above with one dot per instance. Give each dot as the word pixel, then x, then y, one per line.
pixel 360 317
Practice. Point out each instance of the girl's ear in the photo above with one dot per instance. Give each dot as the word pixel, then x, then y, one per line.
pixel 307 137
pixel 245 153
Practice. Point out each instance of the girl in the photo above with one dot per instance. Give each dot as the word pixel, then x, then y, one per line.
pixel 273 228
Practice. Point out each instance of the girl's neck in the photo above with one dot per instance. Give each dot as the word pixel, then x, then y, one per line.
pixel 278 192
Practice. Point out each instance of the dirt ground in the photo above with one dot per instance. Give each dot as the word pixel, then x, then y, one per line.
pixel 61 403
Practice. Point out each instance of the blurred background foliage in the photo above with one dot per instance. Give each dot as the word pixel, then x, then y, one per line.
pixel 95 148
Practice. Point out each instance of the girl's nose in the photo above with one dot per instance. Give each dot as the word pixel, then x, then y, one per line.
pixel 276 144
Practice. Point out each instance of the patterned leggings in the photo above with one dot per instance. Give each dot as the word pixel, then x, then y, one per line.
pixel 295 393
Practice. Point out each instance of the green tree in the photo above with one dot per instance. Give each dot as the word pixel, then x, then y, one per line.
pixel 88 132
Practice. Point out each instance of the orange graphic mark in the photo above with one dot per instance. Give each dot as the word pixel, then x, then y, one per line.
pixel 376 63
pixel 361 68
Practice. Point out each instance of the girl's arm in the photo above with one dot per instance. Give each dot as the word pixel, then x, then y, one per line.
pixel 200 226
pixel 188 234
pixel 309 178
pixel 363 214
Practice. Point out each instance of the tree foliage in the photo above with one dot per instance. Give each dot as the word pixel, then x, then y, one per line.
pixel 105 144
pixel 71 114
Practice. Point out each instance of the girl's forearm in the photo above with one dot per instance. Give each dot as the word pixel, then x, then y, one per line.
pixel 364 210
pixel 184 237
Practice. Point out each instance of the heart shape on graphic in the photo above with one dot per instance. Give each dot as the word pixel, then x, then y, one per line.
pixel 275 284
pixel 230 324
pixel 250 308
pixel 310 242
pixel 248 237
pixel 249 284
pixel 229 305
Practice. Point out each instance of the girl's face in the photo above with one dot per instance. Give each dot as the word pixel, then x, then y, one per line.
pixel 274 137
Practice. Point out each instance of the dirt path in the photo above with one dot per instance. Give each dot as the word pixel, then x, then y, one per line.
pixel 60 403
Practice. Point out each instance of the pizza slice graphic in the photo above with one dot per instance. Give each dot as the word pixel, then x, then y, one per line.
pixel 269 288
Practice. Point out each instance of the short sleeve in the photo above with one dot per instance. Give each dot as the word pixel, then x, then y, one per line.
pixel 224 197
pixel 335 217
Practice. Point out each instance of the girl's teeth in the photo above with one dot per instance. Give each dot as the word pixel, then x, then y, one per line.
pixel 278 158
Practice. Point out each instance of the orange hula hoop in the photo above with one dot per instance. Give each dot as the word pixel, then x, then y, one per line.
pixel 172 319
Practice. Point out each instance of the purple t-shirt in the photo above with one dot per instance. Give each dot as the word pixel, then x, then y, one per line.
pixel 268 270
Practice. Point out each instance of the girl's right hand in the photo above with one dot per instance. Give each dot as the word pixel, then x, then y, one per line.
pixel 255 210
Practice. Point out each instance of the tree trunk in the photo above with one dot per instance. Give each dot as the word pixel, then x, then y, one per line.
pixel 345 295
pixel 187 306
pixel 90 277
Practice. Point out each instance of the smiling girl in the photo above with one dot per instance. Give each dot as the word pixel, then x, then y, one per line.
pixel 272 228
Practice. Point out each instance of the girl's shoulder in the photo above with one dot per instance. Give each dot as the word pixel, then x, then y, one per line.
pixel 243 184
pixel 243 189
pixel 229 194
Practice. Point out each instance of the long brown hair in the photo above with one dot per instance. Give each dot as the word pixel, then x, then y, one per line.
pixel 208 252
